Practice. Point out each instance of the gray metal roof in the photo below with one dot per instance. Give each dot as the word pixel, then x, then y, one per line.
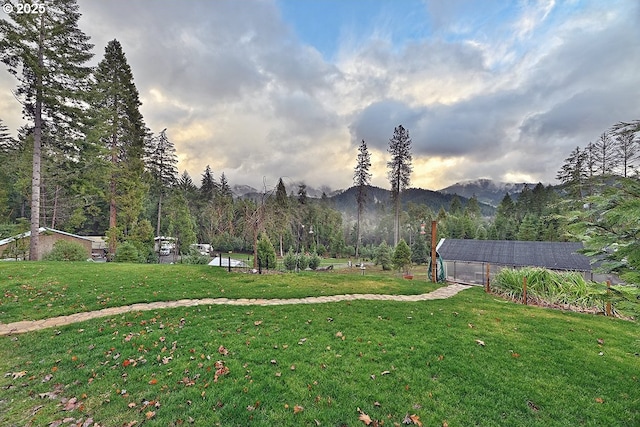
pixel 40 231
pixel 551 255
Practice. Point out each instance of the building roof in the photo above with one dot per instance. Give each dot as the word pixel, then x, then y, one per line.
pixel 551 255
pixel 40 231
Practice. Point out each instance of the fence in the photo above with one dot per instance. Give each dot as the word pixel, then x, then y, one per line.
pixel 475 273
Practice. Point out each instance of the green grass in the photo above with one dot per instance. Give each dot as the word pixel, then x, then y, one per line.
pixel 538 367
pixel 33 291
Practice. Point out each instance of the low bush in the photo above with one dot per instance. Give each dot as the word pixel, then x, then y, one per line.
pixel 127 252
pixel 66 251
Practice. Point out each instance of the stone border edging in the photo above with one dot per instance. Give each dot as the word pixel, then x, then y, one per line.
pixel 36 325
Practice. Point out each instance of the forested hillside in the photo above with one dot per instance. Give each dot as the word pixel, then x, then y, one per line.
pixel 86 162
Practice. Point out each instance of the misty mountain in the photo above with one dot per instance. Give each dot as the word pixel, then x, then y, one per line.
pixel 486 190
pixel 380 198
pixel 246 191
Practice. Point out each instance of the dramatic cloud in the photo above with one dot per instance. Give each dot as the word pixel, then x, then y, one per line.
pixel 502 90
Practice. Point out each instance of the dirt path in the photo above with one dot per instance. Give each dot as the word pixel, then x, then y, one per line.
pixel 36 325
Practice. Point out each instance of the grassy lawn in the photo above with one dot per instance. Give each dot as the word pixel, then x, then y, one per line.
pixel 473 359
pixel 48 289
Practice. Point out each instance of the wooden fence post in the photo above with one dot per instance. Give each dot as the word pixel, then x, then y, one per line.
pixel 524 290
pixel 608 305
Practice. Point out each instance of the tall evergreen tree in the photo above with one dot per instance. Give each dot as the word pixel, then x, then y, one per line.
pixel 47 53
pixel 119 126
pixel 399 171
pixel 7 143
pixel 281 213
pixel 572 174
pixel 302 194
pixel 225 189
pixel 361 179
pixel 7 148
pixel 162 164
pixel 605 155
pixel 627 148
pixel 208 185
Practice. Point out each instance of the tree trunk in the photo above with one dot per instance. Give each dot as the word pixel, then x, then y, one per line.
pixel 37 153
pixel 358 230
pixel 55 206
pixel 159 215
pixel 112 195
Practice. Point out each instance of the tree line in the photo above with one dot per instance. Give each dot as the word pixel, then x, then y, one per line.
pixel 86 162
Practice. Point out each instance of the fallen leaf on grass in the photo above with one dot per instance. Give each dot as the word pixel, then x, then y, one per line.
pixel 366 419
pixel 599 400
pixel 480 343
pixel 16 375
pixel 150 414
pixel 297 409
pixel 416 420
pixel 223 351
pixel 71 404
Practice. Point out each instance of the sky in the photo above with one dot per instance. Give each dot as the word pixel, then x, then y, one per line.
pixel 263 89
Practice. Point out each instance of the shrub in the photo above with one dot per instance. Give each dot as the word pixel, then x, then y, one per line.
pixel 314 261
pixel 402 256
pixel 67 251
pixel 195 257
pixel 127 252
pixel 303 261
pixel 383 256
pixel 266 252
pixel 290 260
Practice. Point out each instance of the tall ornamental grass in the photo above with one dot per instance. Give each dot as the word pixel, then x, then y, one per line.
pixel 552 287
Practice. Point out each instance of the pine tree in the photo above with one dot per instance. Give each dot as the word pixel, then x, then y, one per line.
pixel 162 163
pixel 302 194
pixel 362 179
pixel 281 213
pixel 605 155
pixel 208 185
pixel 399 171
pixel 47 53
pixel 225 189
pixel 572 174
pixel 402 256
pixel 119 127
pixel 7 148
pixel 627 148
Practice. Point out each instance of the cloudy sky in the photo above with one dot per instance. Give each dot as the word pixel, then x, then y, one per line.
pixel 262 89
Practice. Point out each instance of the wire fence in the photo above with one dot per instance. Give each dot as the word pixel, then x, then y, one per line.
pixel 478 273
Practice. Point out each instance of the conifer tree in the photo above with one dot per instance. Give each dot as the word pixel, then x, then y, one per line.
pixel 572 174
pixel 399 171
pixel 362 179
pixel 162 164
pixel 119 127
pixel 47 53
pixel 208 185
